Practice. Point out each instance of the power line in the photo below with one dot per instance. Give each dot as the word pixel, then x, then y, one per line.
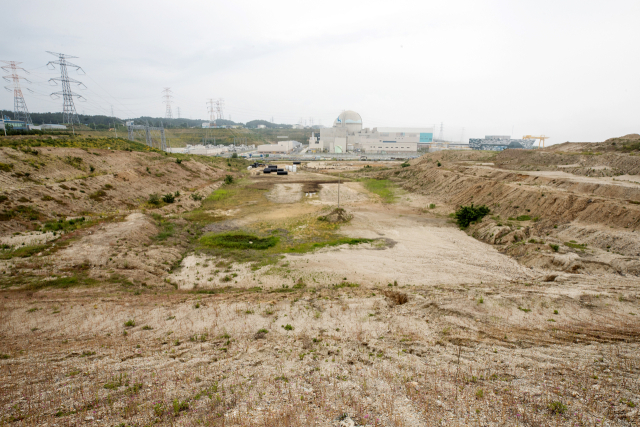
pixel 167 100
pixel 69 114
pixel 20 110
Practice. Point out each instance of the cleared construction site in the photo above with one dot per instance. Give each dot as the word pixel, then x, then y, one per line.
pixel 141 287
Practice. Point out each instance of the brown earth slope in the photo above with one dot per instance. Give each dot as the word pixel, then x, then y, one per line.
pixel 594 221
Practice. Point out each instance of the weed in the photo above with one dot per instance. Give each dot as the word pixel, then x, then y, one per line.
pixel 168 198
pixel 554 247
pixel 432 206
pixel 287 327
pixel 228 179
pixel 130 323
pixel 480 393
pixel 179 406
pixel 526 310
pixel 154 199
pixel 197 197
pixel 557 407
pixel 146 328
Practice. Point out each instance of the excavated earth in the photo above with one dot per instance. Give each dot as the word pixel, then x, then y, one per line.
pixel 393 316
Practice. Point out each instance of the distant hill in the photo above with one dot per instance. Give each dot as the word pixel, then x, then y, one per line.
pixel 105 122
pixel 255 123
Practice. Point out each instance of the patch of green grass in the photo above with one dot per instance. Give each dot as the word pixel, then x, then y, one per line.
pixel 526 310
pixel 554 247
pixel 381 187
pixel 66 226
pixel 238 241
pixel 166 231
pixel 523 218
pixel 22 252
pixel 345 285
pixel 64 282
pixel 576 245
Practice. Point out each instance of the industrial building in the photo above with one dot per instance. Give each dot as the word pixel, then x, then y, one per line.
pixel 347 135
pixel 499 143
pixel 282 147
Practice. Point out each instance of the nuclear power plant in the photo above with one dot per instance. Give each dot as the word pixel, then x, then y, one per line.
pixel 347 135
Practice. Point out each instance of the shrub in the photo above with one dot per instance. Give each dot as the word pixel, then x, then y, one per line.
pixel 288 327
pixel 168 198
pixel 197 197
pixel 234 156
pixel 439 164
pixel 465 215
pixel 228 179
pixel 523 218
pixel 91 168
pixel 557 407
pixel 98 195
pixel 405 165
pixel 178 161
pixel 432 206
pixel 554 247
pixel 130 323
pixel 154 199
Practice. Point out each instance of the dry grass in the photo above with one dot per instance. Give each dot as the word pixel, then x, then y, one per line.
pixel 415 356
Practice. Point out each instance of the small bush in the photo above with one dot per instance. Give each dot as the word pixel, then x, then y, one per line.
pixel 197 197
pixel 178 161
pixel 405 165
pixel 554 247
pixel 557 407
pixel 228 179
pixel 439 164
pixel 154 199
pixel 288 327
pixel 130 323
pixel 523 218
pixel 432 206
pixel 168 198
pixel 465 215
pixel 234 156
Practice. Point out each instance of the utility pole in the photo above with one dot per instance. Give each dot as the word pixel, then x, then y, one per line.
pixel 178 108
pixel 69 114
pixel 20 111
pixel 339 179
pixel 167 100
pixel 115 125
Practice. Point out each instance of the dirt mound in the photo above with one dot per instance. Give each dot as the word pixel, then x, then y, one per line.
pixel 47 183
pixel 338 215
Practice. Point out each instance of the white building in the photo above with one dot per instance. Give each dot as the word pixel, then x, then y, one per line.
pixel 282 147
pixel 347 134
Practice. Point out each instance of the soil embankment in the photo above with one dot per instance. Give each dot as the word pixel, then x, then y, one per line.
pixel 594 222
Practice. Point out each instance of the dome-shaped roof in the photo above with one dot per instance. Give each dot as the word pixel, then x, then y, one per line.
pixel 348 117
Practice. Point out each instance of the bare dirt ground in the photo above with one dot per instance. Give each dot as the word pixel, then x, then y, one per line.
pixel 421 324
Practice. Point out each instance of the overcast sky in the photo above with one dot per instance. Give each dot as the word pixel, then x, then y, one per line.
pixel 567 69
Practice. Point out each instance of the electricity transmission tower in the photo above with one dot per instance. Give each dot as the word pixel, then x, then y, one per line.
pixel 178 108
pixel 167 100
pixel 20 111
pixel 441 136
pixel 220 108
pixel 69 114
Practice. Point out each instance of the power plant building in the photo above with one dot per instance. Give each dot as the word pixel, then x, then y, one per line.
pixel 347 134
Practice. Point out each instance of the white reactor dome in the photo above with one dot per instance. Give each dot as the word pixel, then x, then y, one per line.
pixel 349 119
